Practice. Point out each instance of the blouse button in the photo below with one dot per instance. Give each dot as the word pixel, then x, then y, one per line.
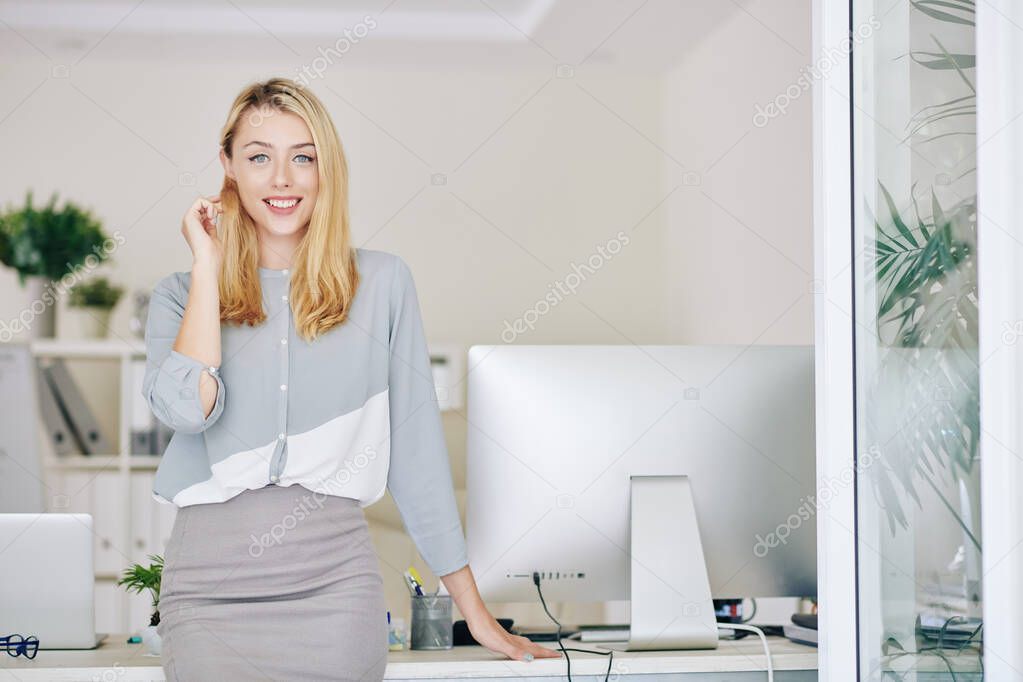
pixel 274 479
pixel 284 342
pixel 284 298
pixel 280 436
pixel 284 387
pixel 284 272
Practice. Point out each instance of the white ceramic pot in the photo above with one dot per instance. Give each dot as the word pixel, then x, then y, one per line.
pixel 151 638
pixel 87 322
pixel 41 309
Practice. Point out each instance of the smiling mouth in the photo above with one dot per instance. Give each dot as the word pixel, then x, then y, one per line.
pixel 282 204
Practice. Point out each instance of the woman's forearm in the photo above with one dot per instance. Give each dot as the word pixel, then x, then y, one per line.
pixel 483 627
pixel 461 585
pixel 199 335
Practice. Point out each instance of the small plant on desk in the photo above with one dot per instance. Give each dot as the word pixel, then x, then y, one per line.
pixel 138 578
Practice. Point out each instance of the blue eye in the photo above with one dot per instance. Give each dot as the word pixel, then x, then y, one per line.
pixel 308 159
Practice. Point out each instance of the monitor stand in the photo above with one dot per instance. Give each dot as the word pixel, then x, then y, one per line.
pixel 670 593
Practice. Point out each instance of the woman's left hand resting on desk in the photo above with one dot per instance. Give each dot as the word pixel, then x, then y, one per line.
pixel 484 628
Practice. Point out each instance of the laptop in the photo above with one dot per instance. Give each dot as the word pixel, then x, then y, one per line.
pixel 47 579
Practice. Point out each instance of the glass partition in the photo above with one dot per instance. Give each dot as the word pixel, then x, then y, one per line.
pixel 916 353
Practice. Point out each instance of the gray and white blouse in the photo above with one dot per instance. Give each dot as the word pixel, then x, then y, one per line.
pixel 351 414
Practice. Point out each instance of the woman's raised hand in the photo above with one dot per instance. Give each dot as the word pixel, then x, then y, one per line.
pixel 199 227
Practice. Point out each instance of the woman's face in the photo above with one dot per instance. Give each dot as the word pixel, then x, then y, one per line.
pixel 274 160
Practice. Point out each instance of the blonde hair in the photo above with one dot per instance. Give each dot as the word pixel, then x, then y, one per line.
pixel 324 272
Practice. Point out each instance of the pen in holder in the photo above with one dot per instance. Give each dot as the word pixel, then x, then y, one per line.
pixel 431 622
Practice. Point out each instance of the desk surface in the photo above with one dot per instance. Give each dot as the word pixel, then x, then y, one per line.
pixel 116 659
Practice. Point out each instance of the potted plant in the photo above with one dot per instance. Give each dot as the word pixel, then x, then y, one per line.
pixel 138 578
pixel 45 244
pixel 89 306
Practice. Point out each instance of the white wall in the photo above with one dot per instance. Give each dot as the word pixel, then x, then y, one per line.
pixel 740 220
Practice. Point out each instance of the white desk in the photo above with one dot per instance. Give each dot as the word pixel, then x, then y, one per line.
pixel 734 661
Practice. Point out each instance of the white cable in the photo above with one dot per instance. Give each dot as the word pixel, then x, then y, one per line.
pixel 763 640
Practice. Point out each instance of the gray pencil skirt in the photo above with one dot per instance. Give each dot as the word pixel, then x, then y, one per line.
pixel 274 584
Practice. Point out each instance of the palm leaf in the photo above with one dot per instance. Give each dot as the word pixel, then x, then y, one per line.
pixel 941 61
pixel 960 12
pixel 926 279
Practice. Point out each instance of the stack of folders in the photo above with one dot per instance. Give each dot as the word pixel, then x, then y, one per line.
pixel 148 436
pixel 70 424
pixel 72 427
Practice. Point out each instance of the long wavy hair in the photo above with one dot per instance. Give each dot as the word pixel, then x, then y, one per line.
pixel 325 276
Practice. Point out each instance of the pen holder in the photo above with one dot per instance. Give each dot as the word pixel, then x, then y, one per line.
pixel 431 622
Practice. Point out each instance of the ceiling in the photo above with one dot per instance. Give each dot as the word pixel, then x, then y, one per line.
pixel 648 35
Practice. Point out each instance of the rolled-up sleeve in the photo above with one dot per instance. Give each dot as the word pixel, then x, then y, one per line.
pixel 171 382
pixel 419 475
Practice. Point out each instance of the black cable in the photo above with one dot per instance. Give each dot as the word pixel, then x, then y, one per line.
pixel 752 615
pixel 564 650
pixel 941 647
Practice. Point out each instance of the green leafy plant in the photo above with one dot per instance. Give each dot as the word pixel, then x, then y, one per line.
pixel 959 107
pixel 925 271
pixel 48 241
pixel 98 292
pixel 138 578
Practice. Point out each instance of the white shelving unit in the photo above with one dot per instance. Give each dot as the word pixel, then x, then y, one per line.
pixel 114 487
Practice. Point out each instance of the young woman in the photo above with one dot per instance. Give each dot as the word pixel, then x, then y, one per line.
pixel 294 370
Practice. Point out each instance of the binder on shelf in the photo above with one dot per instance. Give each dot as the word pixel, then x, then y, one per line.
pixel 21 456
pixel 143 432
pixel 141 442
pixel 164 434
pixel 57 429
pixel 80 418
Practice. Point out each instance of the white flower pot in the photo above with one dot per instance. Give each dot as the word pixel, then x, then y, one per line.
pixel 88 322
pixel 40 310
pixel 151 638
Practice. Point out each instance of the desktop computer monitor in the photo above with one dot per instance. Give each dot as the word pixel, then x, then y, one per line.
pixel 559 435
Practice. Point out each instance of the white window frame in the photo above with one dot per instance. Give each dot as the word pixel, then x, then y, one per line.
pixel 833 340
pixel 1000 285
